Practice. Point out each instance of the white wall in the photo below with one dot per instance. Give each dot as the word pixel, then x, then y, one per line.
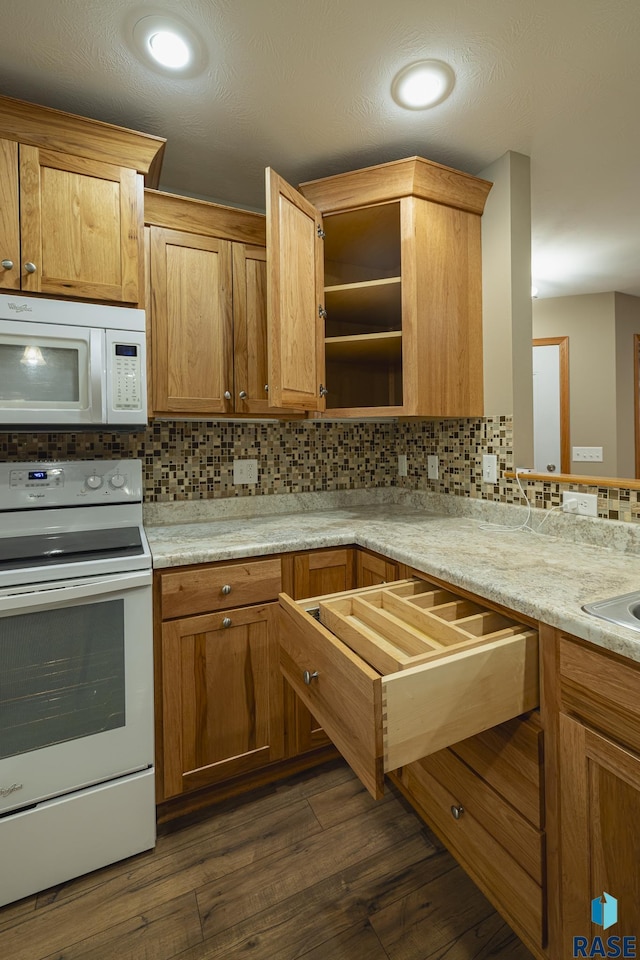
pixel 600 328
pixel 506 299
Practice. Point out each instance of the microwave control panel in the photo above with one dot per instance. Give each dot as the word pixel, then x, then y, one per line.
pixel 126 377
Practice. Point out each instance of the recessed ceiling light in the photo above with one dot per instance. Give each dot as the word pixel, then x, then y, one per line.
pixel 169 45
pixel 169 49
pixel 423 84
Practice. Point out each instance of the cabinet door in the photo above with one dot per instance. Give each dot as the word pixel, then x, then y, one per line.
pixel 81 226
pixel 222 697
pixel 192 323
pixel 324 571
pixel 9 216
pixel 294 298
pixel 599 832
pixel 372 569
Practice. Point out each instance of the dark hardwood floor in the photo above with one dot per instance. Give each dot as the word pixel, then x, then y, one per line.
pixel 308 868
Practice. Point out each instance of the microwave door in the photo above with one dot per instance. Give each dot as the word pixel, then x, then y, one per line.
pixel 51 374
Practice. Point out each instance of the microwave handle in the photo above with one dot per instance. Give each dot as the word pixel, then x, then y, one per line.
pixel 97 375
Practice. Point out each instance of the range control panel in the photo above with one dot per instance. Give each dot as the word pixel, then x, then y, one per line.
pixel 69 483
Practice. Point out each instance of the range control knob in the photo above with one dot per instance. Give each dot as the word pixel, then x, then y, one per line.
pixel 94 482
pixel 117 480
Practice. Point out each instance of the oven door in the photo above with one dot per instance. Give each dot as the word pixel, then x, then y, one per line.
pixel 51 374
pixel 76 685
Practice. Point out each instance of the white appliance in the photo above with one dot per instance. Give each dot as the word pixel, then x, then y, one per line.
pixel 76 672
pixel 64 363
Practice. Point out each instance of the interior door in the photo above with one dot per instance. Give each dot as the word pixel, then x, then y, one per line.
pixel 295 298
pixel 551 405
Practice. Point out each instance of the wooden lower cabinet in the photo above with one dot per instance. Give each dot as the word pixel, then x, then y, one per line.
pixel 309 575
pixel 222 697
pixel 372 569
pixel 491 836
pixel 599 793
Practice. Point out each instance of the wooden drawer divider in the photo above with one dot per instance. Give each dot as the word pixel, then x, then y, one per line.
pixel 410 623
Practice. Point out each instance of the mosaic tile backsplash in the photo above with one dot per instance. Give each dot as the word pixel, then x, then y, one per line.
pixel 186 460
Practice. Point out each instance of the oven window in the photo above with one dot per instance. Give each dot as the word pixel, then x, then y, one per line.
pixel 61 675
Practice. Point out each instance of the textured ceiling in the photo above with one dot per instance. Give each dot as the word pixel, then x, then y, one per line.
pixel 303 86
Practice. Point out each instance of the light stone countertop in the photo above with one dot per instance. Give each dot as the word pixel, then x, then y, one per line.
pixel 543 577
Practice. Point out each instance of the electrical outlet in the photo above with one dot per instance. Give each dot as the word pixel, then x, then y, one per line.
pixel 245 471
pixel 593 454
pixel 433 467
pixel 489 468
pixel 584 504
pixel 402 464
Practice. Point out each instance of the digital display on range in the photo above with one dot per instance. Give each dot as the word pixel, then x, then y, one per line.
pixel 126 350
pixel 37 474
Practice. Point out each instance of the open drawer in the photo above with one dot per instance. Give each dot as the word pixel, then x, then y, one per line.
pixel 396 672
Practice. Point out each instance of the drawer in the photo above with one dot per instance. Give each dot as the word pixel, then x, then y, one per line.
pixel 600 690
pixel 397 672
pixel 511 889
pixel 476 797
pixel 509 758
pixel 210 588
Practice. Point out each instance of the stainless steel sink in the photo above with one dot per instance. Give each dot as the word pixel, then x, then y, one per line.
pixel 624 610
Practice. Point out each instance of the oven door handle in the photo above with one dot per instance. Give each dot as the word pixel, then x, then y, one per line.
pixel 26 598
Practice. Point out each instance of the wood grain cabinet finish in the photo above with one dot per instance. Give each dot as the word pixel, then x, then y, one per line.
pixel 208 318
pixel 372 569
pixel 395 673
pixel 71 204
pixel 219 688
pixel 318 571
pixel 191 323
pixel 501 850
pixel 397 284
pixel 599 788
pixel 222 697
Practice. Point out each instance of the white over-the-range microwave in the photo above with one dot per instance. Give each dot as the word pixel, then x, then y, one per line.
pixel 69 364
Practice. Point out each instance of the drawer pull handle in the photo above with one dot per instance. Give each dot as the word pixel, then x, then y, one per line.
pixel 226 622
pixel 226 590
pixel 308 677
pixel 457 811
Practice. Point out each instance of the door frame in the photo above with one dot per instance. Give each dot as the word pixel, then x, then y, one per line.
pixel 565 418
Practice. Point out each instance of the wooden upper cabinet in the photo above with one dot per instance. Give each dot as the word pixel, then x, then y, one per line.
pixel 9 216
pixel 403 289
pixel 81 226
pixel 208 308
pixel 71 204
pixel 192 323
pixel 294 298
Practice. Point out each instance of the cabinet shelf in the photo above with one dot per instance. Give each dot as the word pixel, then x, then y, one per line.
pixel 369 306
pixel 374 347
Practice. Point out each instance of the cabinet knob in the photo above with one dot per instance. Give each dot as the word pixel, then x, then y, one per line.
pixel 308 677
pixel 226 622
pixel 30 267
pixel 323 391
pixel 266 388
pixel 227 395
pixel 243 394
pixel 226 590
pixel 457 811
pixel 7 264
pixel 322 313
